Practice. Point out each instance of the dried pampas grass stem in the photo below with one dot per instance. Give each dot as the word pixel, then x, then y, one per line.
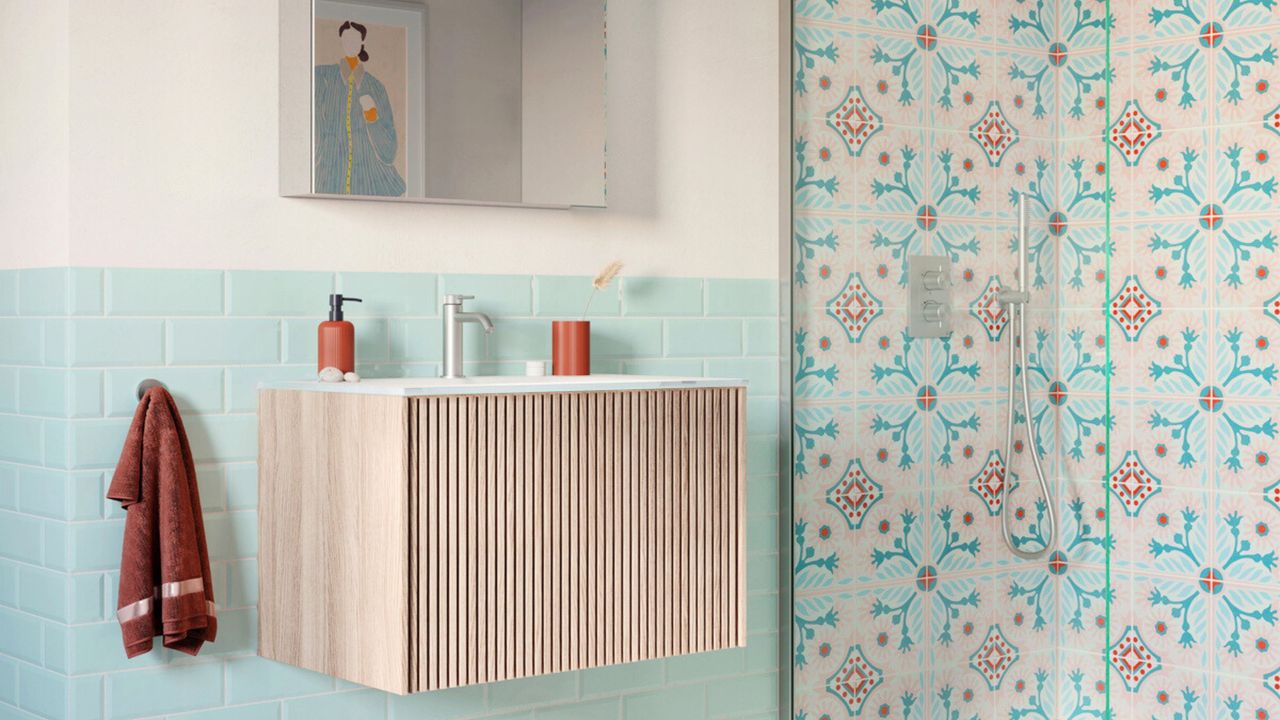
pixel 601 282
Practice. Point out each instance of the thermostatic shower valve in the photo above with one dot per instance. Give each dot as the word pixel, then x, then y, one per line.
pixel 929 293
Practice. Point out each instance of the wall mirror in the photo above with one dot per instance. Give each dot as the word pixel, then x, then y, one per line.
pixel 494 102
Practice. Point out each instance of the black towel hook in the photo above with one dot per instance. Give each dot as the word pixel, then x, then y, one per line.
pixel 147 384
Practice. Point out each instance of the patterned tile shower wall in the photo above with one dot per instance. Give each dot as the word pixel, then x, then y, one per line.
pixel 77 341
pixel 1195 312
pixel 916 124
pixel 906 602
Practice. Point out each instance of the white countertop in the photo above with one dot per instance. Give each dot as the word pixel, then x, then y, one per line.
pixel 503 384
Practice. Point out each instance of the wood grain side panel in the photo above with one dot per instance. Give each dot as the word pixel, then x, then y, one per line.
pixel 333 524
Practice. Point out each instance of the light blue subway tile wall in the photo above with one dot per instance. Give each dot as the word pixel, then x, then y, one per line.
pixel 167 689
pixel 197 390
pixel 23 341
pixel 498 295
pixel 57 334
pixel 571 298
pixel 67 383
pixel 43 291
pixel 164 293
pixel 21 636
pixel 9 389
pixel 704 338
pixel 386 295
pixel 337 706
pixel 738 298
pixel 223 342
pixel 21 439
pixel 86 291
pixel 269 293
pixel 443 705
pixel 20 537
pixel 662 297
pixel 43 492
pixel 43 392
pixel 8 486
pixel 105 342
pixel 8 681
pixel 43 592
pixel 42 692
pixel 8 292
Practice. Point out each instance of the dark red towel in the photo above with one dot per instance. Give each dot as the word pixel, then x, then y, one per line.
pixel 165 585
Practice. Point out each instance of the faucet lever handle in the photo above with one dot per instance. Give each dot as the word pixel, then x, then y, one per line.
pixel 452 299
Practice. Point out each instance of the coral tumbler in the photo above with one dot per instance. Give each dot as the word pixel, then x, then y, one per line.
pixel 571 347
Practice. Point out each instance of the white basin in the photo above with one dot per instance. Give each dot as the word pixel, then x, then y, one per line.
pixel 504 384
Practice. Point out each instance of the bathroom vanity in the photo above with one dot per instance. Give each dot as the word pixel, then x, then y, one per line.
pixel 418 534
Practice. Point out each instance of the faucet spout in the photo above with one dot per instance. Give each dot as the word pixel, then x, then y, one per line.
pixel 477 317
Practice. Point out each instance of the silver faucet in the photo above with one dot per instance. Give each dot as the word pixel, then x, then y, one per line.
pixel 453 319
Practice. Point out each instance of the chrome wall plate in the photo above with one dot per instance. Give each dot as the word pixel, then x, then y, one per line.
pixel 929 295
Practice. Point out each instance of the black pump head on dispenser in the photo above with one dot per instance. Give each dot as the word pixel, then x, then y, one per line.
pixel 335 305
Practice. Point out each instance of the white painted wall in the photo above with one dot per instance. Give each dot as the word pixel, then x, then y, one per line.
pixel 172 153
pixel 33 134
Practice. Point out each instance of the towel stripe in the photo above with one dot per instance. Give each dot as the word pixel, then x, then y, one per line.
pixel 135 610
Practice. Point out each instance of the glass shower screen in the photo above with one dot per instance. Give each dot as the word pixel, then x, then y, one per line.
pixel 919 130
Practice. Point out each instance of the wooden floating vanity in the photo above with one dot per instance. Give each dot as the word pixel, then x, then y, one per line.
pixel 425 534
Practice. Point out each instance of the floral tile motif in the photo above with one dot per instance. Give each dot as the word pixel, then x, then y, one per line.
pixel 1244 696
pixel 994 134
pixel 1174 81
pixel 855 121
pixel 855 680
pixel 1178 254
pixel 855 494
pixel 1246 256
pixel 960 182
pixel 1027 88
pixel 1132 659
pixel 1082 94
pixel 994 657
pixel 1132 308
pixel 988 484
pixel 1028 607
pixel 1087 535
pixel 1173 615
pixel 854 307
pixel 1177 692
pixel 990 312
pixel 1082 688
pixel 1133 132
pixel 1244 64
pixel 1132 484
pixel 959 693
pixel 1031 688
pixel 1246 178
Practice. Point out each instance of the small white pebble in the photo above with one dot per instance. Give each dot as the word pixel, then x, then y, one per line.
pixel 351 377
pixel 331 375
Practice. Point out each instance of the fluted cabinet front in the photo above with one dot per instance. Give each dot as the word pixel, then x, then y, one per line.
pixel 549 532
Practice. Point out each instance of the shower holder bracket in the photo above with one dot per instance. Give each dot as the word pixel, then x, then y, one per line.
pixel 929 293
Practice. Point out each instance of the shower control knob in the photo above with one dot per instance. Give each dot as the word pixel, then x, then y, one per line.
pixel 935 280
pixel 934 312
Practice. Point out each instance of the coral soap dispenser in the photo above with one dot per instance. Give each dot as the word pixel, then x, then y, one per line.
pixel 337 338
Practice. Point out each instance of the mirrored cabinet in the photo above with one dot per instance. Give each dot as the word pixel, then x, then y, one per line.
pixel 494 102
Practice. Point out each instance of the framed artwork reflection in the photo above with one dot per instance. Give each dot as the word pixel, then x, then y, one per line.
pixel 369 98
